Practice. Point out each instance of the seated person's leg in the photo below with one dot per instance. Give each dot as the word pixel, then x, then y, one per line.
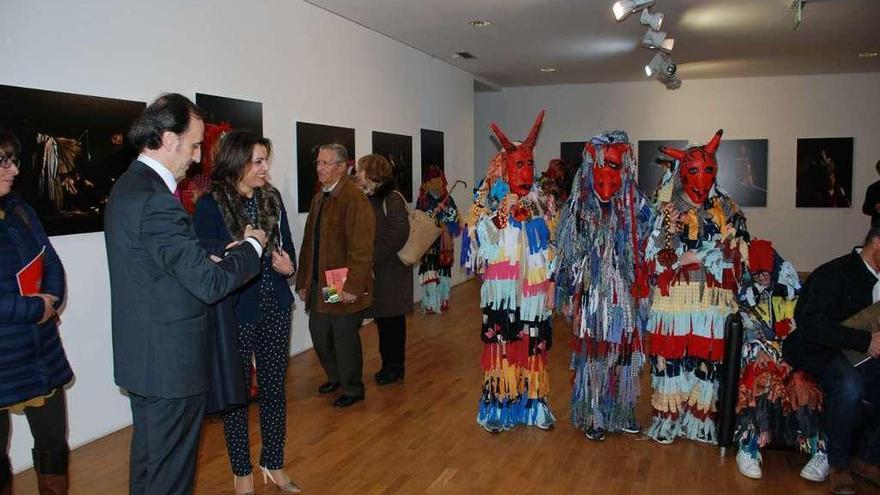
pixel 843 386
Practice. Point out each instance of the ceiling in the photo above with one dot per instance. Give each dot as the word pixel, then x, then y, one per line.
pixel 713 38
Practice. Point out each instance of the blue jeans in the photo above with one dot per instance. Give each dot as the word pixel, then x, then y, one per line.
pixel 852 397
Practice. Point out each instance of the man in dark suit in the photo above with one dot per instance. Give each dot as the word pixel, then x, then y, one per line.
pixel 833 293
pixel 161 281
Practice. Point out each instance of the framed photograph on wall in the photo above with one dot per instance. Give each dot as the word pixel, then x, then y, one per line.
pixel 572 153
pixel 223 115
pixel 653 164
pixel 742 170
pixel 74 147
pixel 824 172
pixel 309 138
pixel 432 150
pixel 241 115
pixel 397 148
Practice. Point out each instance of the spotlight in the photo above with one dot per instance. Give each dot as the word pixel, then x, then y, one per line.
pixel 653 39
pixel 671 82
pixel 653 20
pixel 623 8
pixel 660 64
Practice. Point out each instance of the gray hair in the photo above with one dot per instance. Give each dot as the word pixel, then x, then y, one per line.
pixel 338 149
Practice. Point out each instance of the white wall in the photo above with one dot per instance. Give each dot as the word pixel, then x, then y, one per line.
pixel 780 109
pixel 302 63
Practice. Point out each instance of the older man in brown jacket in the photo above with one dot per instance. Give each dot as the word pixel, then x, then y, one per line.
pixel 338 234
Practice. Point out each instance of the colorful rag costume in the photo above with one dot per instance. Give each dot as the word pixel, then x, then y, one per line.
pixel 509 244
pixel 435 268
pixel 603 285
pixel 776 404
pixel 692 301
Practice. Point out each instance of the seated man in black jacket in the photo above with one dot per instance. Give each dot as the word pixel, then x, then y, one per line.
pixel 832 293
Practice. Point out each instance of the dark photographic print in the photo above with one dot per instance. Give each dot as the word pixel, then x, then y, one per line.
pixel 242 115
pixel 397 148
pixel 223 115
pixel 824 172
pixel 572 153
pixel 309 138
pixel 653 164
pixel 432 150
pixel 73 149
pixel 742 170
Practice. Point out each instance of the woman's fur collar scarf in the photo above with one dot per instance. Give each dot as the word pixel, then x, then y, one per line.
pixel 232 207
pixel 378 189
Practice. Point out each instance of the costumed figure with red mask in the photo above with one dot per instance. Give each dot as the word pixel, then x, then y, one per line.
pixel 602 285
pixel 776 405
pixel 699 247
pixel 435 267
pixel 509 243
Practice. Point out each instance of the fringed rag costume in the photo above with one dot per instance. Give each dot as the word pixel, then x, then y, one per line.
pixel 435 268
pixel 509 244
pixel 602 281
pixel 776 405
pixel 692 300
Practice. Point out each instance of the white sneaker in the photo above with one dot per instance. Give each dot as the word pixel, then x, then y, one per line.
pixel 816 468
pixel 748 465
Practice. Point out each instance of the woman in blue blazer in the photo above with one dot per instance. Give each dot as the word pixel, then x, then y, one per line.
pixel 33 366
pixel 241 195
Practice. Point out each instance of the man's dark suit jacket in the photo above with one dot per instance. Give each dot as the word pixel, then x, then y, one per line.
pixel 160 283
pixel 832 293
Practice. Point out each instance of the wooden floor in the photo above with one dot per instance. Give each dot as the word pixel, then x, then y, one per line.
pixel 421 436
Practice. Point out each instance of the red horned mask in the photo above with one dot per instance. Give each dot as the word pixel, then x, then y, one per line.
pixel 520 164
pixel 698 168
pixel 608 168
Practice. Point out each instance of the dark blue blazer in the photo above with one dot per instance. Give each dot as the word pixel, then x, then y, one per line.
pixel 161 283
pixel 212 232
pixel 32 359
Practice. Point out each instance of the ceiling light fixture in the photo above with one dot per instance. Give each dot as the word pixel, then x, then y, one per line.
pixel 654 20
pixel 623 8
pixel 480 23
pixel 868 54
pixel 463 56
pixel 671 82
pixel 797 7
pixel 660 64
pixel 653 39
pixel 547 68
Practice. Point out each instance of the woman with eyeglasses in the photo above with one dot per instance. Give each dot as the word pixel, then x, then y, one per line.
pixel 33 366
pixel 241 195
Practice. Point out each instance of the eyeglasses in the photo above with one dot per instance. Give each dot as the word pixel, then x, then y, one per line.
pixel 8 161
pixel 322 163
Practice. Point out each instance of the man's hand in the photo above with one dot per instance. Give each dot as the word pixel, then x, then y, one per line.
pixel 348 298
pixel 257 234
pixel 874 346
pixel 49 307
pixel 302 295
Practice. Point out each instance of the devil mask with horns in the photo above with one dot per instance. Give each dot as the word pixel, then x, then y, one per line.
pixel 607 167
pixel 519 168
pixel 698 168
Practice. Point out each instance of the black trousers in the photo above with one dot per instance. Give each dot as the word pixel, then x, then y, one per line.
pixel 164 443
pixel 392 342
pixel 48 425
pixel 337 341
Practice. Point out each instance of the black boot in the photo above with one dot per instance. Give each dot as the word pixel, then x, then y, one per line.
pixel 51 468
pixel 5 475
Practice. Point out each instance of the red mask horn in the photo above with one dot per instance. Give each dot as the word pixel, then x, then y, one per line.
pixel 533 134
pixel 712 145
pixel 502 138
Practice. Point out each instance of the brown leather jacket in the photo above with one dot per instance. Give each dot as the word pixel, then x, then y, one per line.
pixel 347 230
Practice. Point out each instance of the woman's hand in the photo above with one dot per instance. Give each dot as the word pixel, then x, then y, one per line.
pixel 282 263
pixel 48 307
